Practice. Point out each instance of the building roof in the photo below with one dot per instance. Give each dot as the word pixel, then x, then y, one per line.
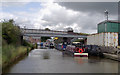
pixel 110 21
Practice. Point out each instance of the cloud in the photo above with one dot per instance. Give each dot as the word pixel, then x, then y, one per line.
pixel 57 16
pixel 7 16
pixel 60 0
pixel 96 7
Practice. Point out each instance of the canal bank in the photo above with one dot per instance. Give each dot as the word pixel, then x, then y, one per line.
pixel 6 69
pixel 112 56
pixel 24 52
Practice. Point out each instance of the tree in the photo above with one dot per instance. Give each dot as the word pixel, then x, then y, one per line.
pixel 47 29
pixel 11 33
pixel 43 39
pixel 11 21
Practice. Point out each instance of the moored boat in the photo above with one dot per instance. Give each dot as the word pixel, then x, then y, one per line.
pixel 76 51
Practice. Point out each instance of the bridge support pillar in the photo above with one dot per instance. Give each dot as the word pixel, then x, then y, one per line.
pixel 67 40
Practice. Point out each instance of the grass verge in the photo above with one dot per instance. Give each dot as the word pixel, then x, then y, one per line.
pixel 11 53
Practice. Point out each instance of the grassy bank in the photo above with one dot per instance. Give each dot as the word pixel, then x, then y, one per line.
pixel 10 53
pixel 0 57
pixel 13 44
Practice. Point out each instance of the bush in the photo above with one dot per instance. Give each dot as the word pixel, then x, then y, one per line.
pixel 25 43
pixel 0 56
pixel 11 33
pixel 12 45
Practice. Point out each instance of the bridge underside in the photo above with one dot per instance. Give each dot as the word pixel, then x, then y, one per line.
pixel 34 38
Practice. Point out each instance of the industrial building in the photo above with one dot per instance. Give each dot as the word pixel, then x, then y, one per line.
pixel 109 26
pixel 108 34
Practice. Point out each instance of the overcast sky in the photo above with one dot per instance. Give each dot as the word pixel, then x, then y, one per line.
pixel 81 16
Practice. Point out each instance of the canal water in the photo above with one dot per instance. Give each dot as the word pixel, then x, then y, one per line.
pixel 52 61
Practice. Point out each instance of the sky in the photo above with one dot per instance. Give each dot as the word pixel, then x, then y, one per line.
pixel 81 16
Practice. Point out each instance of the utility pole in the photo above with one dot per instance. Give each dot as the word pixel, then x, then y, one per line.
pixel 106 14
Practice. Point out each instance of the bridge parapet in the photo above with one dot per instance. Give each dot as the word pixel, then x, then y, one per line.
pixel 25 31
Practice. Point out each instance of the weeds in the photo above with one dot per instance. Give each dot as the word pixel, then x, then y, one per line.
pixel 9 52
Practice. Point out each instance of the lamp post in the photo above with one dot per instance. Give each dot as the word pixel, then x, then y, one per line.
pixel 106 14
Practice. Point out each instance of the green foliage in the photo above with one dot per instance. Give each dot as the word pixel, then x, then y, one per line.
pixel 47 29
pixel 10 52
pixel 12 43
pixel 43 39
pixel 0 45
pixel 25 43
pixel 0 56
pixel 79 40
pixel 83 33
pixel 11 33
pixel 11 21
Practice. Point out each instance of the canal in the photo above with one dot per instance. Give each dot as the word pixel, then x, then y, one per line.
pixel 52 61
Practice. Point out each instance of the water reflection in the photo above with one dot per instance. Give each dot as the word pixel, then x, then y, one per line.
pixel 46 55
pixel 81 60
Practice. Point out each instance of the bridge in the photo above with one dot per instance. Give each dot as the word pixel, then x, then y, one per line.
pixel 36 34
pixel 51 33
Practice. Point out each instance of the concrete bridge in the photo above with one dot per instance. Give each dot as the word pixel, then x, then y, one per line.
pixel 51 33
pixel 38 33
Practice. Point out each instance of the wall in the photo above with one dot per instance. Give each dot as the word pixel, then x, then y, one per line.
pixel 103 39
pixel 101 28
pixel 112 27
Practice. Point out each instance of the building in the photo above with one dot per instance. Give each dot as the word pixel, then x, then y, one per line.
pixel 109 26
pixel 32 39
